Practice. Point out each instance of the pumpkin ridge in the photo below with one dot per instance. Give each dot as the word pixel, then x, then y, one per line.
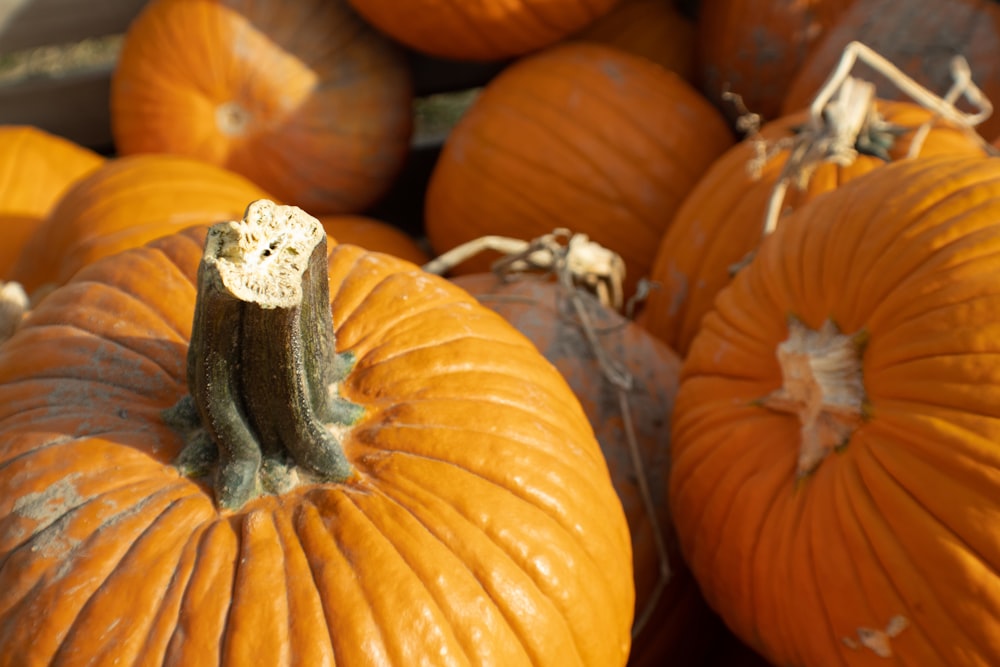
pixel 167 614
pixel 890 562
pixel 66 649
pixel 49 538
pixel 492 590
pixel 408 558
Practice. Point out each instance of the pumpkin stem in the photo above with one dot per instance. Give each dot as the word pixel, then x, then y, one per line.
pixel 843 121
pixel 262 366
pixel 822 384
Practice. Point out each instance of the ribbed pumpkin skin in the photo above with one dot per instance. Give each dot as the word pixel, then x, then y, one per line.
pixel 919 37
pixel 373 234
pixel 482 527
pixel 480 29
pixel 581 136
pixel 681 627
pixel 754 47
pixel 654 29
pixel 125 203
pixel 901 520
pixel 723 218
pixel 327 99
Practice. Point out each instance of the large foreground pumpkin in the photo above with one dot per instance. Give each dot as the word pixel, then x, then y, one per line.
pixel 302 98
pixel 430 493
pixel 836 469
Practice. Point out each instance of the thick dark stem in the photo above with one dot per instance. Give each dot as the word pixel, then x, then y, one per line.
pixel 262 366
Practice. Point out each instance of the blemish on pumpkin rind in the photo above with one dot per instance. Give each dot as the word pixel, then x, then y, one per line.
pixel 48 505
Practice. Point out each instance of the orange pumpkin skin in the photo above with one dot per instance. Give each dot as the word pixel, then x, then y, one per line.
pixel 889 539
pixel 681 625
pixel 919 37
pixel 36 169
pixel 302 98
pixel 654 29
pixel 482 30
pixel 754 47
pixel 125 203
pixel 481 524
pixel 581 136
pixel 723 218
pixel 373 234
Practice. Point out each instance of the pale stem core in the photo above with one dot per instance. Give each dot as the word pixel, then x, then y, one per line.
pixel 822 384
pixel 232 118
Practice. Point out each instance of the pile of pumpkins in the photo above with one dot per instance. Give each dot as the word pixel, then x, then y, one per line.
pixel 717 381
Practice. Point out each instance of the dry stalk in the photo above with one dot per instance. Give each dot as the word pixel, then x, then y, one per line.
pixel 843 112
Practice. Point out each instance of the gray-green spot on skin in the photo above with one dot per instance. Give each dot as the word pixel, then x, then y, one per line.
pixel 262 365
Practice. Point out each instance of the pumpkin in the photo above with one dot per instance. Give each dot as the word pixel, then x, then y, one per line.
pixel 374 234
pixel 483 30
pixel 581 136
pixel 36 168
pixel 125 203
pixel 835 474
pixel 918 36
pixel 654 29
pixel 723 218
pixel 626 387
pixel 302 97
pixel 255 452
pixel 752 48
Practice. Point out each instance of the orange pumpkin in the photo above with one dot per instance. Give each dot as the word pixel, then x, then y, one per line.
pixel 300 97
pixel 435 495
pixel 754 47
pixel 723 218
pixel 835 472
pixel 373 234
pixel 36 168
pixel 581 136
pixel 654 29
pixel 482 30
pixel 123 204
pixel 627 393
pixel 918 36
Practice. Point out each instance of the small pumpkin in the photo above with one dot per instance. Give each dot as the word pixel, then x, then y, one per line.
pixel 36 168
pixel 835 469
pixel 257 452
pixel 625 380
pixel 480 31
pixel 302 98
pixel 654 29
pixel 724 218
pixel 918 36
pixel 373 234
pixel 753 48
pixel 581 136
pixel 125 203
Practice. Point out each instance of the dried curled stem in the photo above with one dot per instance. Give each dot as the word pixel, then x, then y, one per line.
pixel 571 257
pixel 842 121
